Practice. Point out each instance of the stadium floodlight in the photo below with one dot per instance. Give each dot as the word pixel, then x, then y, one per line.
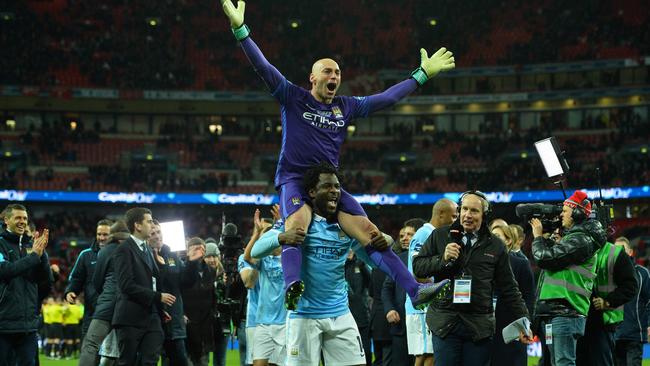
pixel 173 234
pixel 552 158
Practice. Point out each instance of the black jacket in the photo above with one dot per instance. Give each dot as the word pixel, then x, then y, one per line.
pixel 380 329
pixel 394 298
pixel 635 318
pixel 525 278
pixel 81 278
pixel 136 297
pixel 105 282
pixel 200 305
pixel 488 264
pixel 578 245
pixel 20 277
pixel 357 276
pixel 626 288
pixel 179 276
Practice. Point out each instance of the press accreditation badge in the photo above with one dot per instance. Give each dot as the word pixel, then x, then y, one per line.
pixel 548 334
pixel 462 291
pixel 153 283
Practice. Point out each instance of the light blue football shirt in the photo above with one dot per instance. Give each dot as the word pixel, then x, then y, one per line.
pixel 417 241
pixel 324 252
pixel 253 293
pixel 270 307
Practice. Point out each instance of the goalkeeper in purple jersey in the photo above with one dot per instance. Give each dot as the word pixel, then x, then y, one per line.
pixel 314 125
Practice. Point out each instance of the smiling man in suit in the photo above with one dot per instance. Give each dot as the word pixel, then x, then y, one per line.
pixel 139 305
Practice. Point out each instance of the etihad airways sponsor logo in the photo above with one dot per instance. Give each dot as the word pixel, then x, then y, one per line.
pixel 322 121
pixel 133 197
pixel 326 252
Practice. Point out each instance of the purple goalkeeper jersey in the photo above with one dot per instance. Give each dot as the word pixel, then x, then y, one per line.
pixel 312 131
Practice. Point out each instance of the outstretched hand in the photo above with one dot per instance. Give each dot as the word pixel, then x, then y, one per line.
pixel 442 60
pixel 235 15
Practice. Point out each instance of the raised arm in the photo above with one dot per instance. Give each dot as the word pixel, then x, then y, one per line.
pixel 442 60
pixel 391 95
pixel 269 74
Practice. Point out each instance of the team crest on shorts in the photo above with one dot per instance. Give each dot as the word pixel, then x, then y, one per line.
pixel 337 112
pixel 294 351
pixel 295 201
pixel 171 262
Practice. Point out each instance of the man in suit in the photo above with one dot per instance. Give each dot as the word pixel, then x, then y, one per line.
pixel 139 305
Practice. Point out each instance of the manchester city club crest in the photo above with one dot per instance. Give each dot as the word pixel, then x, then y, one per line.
pixel 295 201
pixel 337 112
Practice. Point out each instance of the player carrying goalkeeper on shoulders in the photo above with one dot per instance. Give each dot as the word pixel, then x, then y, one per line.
pixel 314 125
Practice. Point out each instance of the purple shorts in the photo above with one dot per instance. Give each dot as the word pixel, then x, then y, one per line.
pixel 293 196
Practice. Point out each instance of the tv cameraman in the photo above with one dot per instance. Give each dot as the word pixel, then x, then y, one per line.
pixel 567 280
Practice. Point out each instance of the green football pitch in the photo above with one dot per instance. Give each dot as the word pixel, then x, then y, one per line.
pixel 232 359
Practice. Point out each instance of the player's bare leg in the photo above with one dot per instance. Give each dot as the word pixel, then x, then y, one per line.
pixel 365 232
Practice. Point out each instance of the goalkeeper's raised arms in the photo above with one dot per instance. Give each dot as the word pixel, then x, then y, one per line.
pixel 235 15
pixel 442 60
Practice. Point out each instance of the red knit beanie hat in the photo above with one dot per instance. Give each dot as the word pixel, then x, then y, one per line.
pixel 577 199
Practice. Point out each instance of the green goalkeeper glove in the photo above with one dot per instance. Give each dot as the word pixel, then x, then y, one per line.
pixel 442 60
pixel 236 17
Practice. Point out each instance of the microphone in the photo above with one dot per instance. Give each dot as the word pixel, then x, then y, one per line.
pixel 455 236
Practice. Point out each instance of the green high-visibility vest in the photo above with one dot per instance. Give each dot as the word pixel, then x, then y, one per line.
pixel 605 279
pixel 573 284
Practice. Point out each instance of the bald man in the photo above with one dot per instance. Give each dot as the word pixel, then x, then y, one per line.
pixel 314 125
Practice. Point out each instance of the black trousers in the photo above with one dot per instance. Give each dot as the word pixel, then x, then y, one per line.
pixel 383 352
pixel 400 354
pixel 174 352
pixel 143 342
pixel 628 353
pixel 595 348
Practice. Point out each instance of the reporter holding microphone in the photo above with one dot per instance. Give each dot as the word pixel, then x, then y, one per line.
pixel 476 262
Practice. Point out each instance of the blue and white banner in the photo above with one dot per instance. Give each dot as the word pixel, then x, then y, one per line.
pixel 614 193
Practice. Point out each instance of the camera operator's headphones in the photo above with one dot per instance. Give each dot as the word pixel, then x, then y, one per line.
pixel 579 213
pixel 487 210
